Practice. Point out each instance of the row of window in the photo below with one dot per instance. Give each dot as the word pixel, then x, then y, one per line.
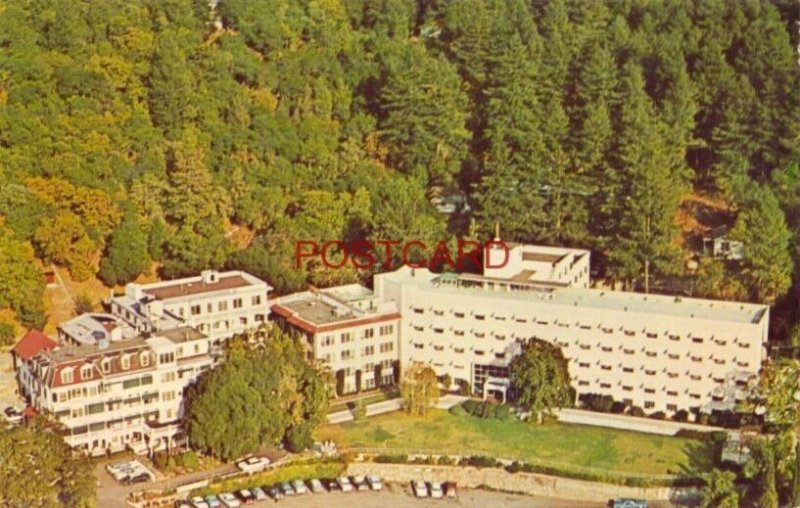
pixel 347 337
pixel 222 306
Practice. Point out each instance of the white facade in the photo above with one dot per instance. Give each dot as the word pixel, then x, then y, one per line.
pixel 347 330
pixel 113 395
pixel 659 352
pixel 559 266
pixel 219 304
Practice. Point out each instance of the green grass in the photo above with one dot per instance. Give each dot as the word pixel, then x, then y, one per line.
pixel 575 447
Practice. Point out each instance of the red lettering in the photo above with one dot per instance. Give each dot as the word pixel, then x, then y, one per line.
pixel 387 248
pixel 474 255
pixel 362 249
pixel 489 247
pixel 406 248
pixel 442 252
pixel 299 254
pixel 342 248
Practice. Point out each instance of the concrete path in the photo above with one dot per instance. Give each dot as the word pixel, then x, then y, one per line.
pixel 626 422
pixel 387 406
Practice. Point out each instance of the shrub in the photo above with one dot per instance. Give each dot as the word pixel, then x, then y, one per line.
pixel 637 411
pixel 188 460
pixel 479 461
pixel 298 438
pixel 470 406
pixel 391 459
pixel 681 416
pixel 445 460
pixel 618 407
pixel 458 410
pixel 161 460
pixel 659 415
pixel 597 402
pixel 7 333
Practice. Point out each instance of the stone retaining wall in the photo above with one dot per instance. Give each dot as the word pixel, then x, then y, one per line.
pixel 526 483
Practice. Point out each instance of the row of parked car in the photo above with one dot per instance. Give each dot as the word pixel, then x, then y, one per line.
pixel 279 491
pixel 435 490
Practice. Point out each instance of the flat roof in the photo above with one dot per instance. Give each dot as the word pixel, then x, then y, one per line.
pixel 542 257
pixel 664 305
pixel 164 292
pixel 316 312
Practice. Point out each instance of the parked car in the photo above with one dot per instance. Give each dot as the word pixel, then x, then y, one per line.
pixel 287 489
pixel 316 486
pixel 213 501
pixel 450 489
pixel 246 496
pixel 374 482
pixel 436 490
pixel 181 504
pixel 275 493
pixel 622 502
pixel 199 502
pixel 344 484
pixel 137 478
pixel 359 483
pixel 259 493
pixel 229 500
pixel 12 415
pixel 299 487
pixel 253 464
pixel 420 489
pixel 331 484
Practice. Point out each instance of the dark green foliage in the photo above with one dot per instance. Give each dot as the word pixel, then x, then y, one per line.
pixel 540 378
pixel 83 304
pixel 240 406
pixel 391 459
pixel 21 281
pixel 483 409
pixel 127 255
pixel 7 333
pixel 597 402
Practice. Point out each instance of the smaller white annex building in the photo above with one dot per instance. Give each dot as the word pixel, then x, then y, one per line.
pixel 218 304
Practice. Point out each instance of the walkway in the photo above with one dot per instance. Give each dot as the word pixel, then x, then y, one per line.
pixel 387 406
pixel 626 422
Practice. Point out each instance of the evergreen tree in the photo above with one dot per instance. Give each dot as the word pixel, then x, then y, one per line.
pixel 649 192
pixel 127 255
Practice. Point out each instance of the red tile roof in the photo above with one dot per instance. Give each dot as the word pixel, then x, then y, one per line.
pixel 32 343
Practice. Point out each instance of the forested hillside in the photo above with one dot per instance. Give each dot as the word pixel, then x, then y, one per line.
pixel 133 131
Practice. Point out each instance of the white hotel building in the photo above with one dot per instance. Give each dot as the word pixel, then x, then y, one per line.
pixel 218 304
pixel 112 392
pixel 661 353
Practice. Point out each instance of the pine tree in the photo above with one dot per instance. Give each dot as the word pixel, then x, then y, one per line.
pixel 650 191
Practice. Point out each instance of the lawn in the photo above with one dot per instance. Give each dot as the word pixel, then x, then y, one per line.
pixel 573 447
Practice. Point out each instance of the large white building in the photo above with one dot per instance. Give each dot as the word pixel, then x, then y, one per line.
pixel 348 330
pixel 219 304
pixel 111 392
pixel 661 353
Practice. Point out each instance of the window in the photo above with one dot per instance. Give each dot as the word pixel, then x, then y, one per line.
pixel 605 385
pixel 650 372
pixel 369 350
pixel 583 383
pixel 209 308
pixel 458 350
pixel 144 359
pixel 106 365
pixel 458 333
pixel 480 317
pixel 387 347
pixel 744 345
pixel 479 352
pixel 697 340
pixel 630 333
pixel 125 362
pixel 386 330
pixel 719 361
pixel 500 318
pixel 438 330
pixel 438 313
pixel 195 310
pixel 628 351
pixel 672 393
pixel 256 300
pixel 608 330
pixel 651 335
pixel 697 359
pixel 458 314
pixel 627 370
pixel 674 337
pixel 694 395
pixel 167 377
pixel 345 337
pixel 86 372
pixel 627 388
pixel 369 333
pixel 168 395
pixel 585 346
pixel 606 349
pixel 237 303
pixel 651 353
pixel 521 320
pixel 649 390
pixel 326 340
pixel 500 356
pixel 672 408
pixel 347 354
pixel 480 335
pixel 243 321
pixel 500 337
pixel 418 310
pixel 649 404
pixel 222 306
pixel 605 367
pixel 583 365
pixel 166 358
pixel 673 356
